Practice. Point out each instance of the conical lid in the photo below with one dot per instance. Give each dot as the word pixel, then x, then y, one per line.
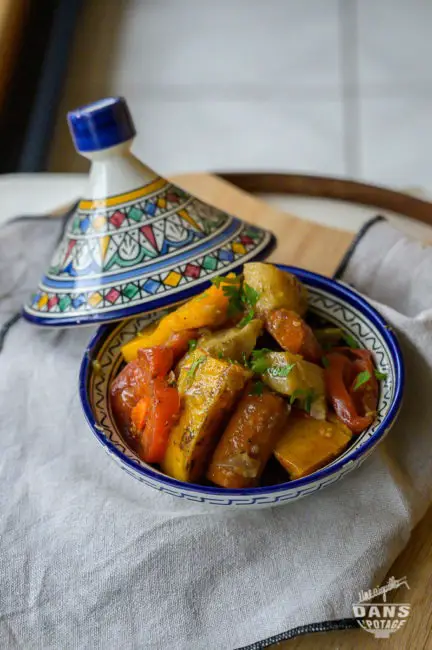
pixel 136 242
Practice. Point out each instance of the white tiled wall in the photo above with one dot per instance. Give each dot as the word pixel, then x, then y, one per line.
pixel 340 87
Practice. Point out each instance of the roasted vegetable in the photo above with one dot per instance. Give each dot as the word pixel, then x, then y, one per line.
pixel 308 444
pixel 248 440
pixel 145 403
pixel 276 288
pixel 352 387
pixel 233 343
pixel 293 334
pixel 328 336
pixel 302 381
pixel 209 388
pixel 209 309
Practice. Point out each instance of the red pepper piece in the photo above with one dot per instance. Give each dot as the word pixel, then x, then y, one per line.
pixel 339 377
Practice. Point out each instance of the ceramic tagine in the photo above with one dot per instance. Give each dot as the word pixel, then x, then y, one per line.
pixel 135 242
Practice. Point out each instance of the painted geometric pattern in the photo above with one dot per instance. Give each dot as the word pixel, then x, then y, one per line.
pixel 108 220
pixel 334 309
pixel 246 243
pixel 136 240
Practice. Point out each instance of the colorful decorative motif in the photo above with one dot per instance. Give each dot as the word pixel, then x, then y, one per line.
pixel 128 252
pixel 328 299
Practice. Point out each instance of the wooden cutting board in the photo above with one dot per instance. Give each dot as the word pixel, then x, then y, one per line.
pixel 320 248
pixel 300 243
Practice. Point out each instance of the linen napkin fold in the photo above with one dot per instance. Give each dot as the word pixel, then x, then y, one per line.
pixel 90 558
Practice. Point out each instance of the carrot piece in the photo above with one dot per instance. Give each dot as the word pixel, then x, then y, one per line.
pixel 293 334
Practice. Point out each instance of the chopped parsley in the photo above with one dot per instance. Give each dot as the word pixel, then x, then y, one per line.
pixel 258 363
pixel 380 375
pixel 192 370
pixel 240 297
pixel 249 299
pixel 192 344
pixel 350 340
pixel 281 371
pixel 217 281
pixel 308 400
pixel 361 379
pixel 257 388
pixel 234 295
pixel 325 362
pixel 306 396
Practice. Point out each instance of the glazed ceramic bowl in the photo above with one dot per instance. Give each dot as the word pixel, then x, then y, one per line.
pixel 329 299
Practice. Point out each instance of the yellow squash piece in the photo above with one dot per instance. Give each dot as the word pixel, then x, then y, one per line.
pixel 303 380
pixel 277 288
pixel 209 309
pixel 208 388
pixel 308 444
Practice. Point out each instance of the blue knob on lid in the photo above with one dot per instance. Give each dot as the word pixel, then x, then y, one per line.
pixel 102 124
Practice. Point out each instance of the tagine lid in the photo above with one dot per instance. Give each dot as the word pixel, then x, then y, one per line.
pixel 135 242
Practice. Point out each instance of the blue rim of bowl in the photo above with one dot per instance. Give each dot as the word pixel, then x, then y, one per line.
pixel 310 279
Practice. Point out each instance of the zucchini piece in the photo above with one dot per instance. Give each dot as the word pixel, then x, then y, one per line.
pixel 232 343
pixel 304 381
pixel 276 288
pixel 209 388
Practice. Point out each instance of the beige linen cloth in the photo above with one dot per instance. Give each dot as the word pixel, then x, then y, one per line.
pixel 91 559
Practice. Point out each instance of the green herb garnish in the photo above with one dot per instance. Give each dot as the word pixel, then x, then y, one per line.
pixel 192 344
pixel 245 359
pixel 350 340
pixel 257 388
pixel 306 396
pixel 240 297
pixel 297 394
pixel 217 281
pixel 361 379
pixel 234 295
pixel 308 401
pixel 381 376
pixel 249 299
pixel 281 371
pixel 258 363
pixel 192 370
pixel 325 362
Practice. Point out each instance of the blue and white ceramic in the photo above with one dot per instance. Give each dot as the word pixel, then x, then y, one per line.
pixel 135 242
pixel 327 298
